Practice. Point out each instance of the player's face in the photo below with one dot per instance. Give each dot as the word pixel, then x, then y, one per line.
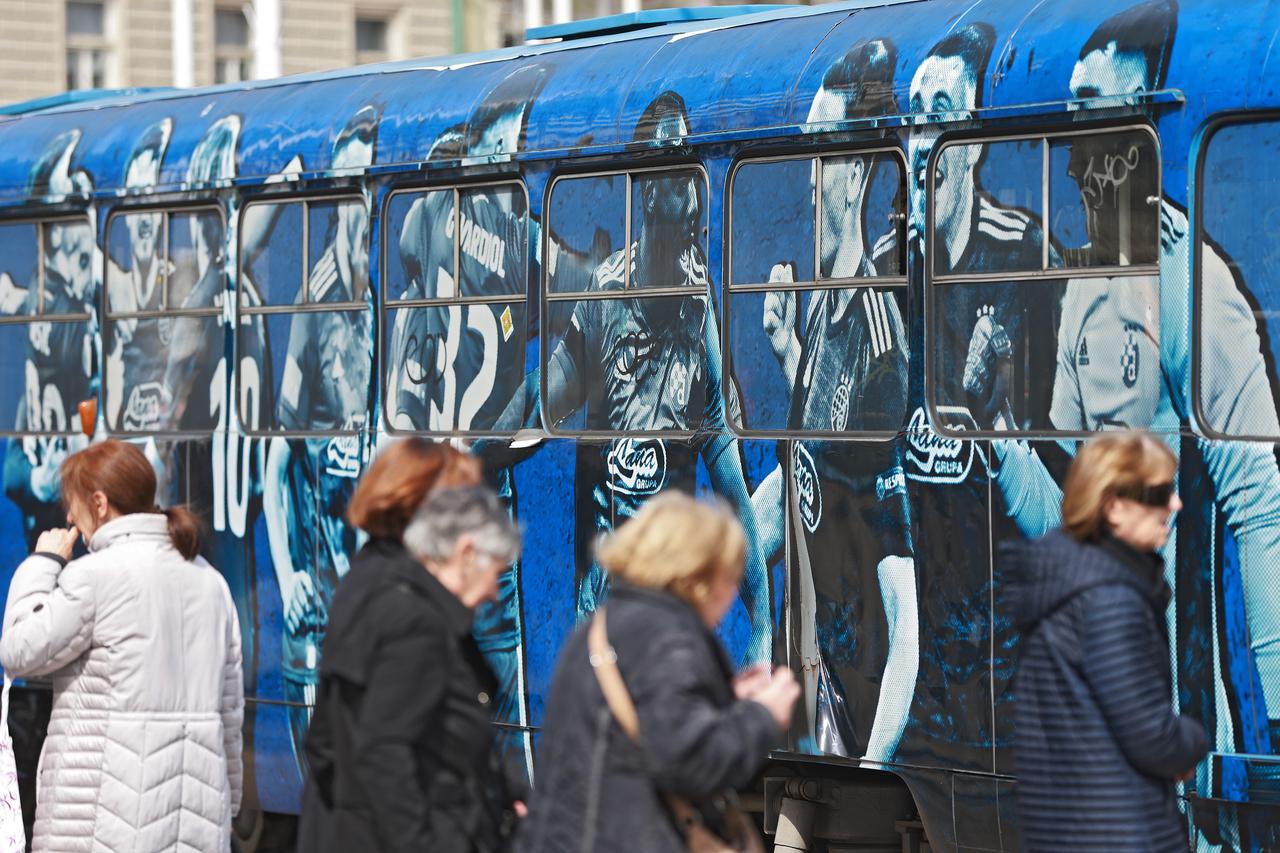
pixel 1108 168
pixel 843 183
pixel 941 84
pixel 73 257
pixel 144 228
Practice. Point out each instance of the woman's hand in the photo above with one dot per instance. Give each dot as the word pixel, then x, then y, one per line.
pixel 751 680
pixel 779 696
pixel 59 540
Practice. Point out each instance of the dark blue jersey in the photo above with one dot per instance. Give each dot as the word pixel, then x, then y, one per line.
pixel 959 513
pixel 457 367
pixel 851 496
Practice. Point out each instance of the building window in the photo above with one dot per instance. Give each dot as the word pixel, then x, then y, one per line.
pixel 371 40
pixel 231 46
pixel 88 56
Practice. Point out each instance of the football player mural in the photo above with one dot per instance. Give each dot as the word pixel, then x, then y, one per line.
pixel 323 387
pixel 48 298
pixel 844 363
pixel 638 363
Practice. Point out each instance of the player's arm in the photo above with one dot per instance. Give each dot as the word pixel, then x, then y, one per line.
pixel 566 382
pixel 1032 497
pixel 1237 399
pixel 260 219
pixel 724 466
pixel 780 323
pixel 885 392
pixel 297 591
pixel 897 579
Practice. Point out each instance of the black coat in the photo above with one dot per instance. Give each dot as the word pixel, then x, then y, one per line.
pixel 1097 743
pixel 400 747
pixel 595 790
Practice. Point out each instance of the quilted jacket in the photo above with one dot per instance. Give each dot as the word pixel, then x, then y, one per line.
pixel 143 648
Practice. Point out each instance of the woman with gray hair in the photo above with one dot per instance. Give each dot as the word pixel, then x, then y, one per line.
pixel 401 746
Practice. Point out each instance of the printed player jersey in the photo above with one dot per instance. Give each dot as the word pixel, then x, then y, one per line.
pixel 325 386
pixel 851 496
pixel 457 367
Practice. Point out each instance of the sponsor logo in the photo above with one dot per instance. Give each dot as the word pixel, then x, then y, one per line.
pixel 1129 358
pixel 144 407
pixel 342 456
pixel 892 482
pixel 840 404
pixel 508 326
pixel 637 466
pixel 1082 356
pixel 808 491
pixel 933 458
pixel 679 385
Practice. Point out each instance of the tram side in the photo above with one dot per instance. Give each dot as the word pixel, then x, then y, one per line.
pixel 878 338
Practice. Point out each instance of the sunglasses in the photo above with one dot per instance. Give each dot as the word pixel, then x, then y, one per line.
pixel 1157 494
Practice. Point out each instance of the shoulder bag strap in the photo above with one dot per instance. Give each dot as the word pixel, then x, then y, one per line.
pixel 604 661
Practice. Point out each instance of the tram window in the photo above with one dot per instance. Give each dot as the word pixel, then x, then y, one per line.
pixel 163 335
pixel 1237 341
pixel 455 341
pixel 817 294
pixel 1015 344
pixel 628 310
pixel 47 288
pixel 579 243
pixel 1101 188
pixel 306 314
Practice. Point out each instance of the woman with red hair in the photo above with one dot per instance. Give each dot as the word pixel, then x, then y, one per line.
pixel 141 641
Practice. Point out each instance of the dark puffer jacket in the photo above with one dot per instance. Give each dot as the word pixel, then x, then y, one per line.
pixel 1098 745
pixel 595 790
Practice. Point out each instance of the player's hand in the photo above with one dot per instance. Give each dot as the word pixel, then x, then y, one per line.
pixel 11 296
pixel 780 319
pixel 59 540
pixel 299 601
pixel 988 370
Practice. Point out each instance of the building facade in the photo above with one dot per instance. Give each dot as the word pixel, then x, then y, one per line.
pixel 52 46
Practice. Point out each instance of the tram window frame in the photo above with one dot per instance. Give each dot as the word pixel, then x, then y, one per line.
pixel 109 318
pixel 1200 240
pixel 1046 272
pixel 39 316
pixel 819 283
pixel 550 297
pixel 388 306
pixel 360 195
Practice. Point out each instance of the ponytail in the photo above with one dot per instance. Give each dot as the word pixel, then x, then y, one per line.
pixel 184 530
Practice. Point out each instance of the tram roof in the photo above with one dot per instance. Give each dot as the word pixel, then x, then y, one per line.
pixel 748 74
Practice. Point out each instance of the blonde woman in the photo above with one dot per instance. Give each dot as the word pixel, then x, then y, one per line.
pixel 1098 745
pixel 701 733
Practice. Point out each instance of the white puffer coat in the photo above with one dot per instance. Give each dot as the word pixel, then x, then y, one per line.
pixel 143 648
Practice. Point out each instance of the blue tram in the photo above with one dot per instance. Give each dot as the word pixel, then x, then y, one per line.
pixel 868 271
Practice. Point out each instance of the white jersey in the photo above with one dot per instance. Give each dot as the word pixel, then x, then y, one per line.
pixel 1120 363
